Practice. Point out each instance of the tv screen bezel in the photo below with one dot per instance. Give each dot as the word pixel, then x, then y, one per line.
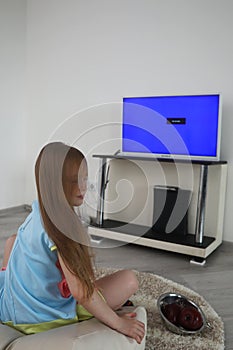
pixel 172 155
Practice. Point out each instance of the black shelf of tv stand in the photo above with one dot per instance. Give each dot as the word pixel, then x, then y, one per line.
pixel 146 232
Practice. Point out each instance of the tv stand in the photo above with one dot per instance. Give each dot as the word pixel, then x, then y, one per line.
pixel 204 236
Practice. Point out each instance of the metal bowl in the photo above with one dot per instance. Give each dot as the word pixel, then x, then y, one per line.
pixel 169 298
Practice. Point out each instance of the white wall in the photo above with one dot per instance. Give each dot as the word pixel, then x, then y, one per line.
pixel 84 53
pixel 12 102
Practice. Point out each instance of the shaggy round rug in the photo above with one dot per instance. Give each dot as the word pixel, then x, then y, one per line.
pixel 158 336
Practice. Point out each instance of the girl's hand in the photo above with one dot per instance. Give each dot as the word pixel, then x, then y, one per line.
pixel 126 323
pixel 130 326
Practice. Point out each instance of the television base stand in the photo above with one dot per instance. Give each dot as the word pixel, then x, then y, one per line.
pixel 206 208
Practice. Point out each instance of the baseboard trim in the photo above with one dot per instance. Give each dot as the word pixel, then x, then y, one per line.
pixel 22 207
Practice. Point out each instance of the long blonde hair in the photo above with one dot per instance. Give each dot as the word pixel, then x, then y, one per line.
pixel 59 219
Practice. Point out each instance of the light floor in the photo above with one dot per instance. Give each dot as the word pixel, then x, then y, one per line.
pixel 214 281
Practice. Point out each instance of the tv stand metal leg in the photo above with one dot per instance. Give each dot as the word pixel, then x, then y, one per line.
pixel 201 205
pixel 100 204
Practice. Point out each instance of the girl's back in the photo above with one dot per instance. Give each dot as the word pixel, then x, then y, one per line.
pixel 31 294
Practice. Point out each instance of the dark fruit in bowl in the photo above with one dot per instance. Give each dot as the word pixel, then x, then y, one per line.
pixel 190 318
pixel 171 312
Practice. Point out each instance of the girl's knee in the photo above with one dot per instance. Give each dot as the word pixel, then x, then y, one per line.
pixel 11 238
pixel 10 241
pixel 7 250
pixel 132 280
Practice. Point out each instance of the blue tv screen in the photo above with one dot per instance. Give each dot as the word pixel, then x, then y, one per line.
pixel 187 126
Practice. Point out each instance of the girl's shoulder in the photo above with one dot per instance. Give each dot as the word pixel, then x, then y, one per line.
pixel 33 216
pixel 33 231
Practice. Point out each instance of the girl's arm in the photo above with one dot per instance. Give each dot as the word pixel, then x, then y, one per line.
pixel 126 324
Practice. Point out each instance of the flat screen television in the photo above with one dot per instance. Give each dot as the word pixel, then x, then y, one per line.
pixel 181 126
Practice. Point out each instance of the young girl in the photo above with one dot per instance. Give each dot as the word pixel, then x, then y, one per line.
pixel 47 279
